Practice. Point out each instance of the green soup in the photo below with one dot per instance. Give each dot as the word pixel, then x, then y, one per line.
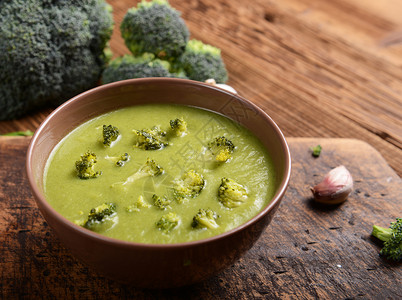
pixel 73 197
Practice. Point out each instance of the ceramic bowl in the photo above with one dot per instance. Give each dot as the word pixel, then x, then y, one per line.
pixel 156 265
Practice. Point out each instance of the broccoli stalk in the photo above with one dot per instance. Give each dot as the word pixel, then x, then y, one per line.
pixel 110 134
pixel 85 166
pixel 392 238
pixel 189 185
pixel 221 148
pixel 150 168
pixel 231 194
pixel 155 27
pixel 168 222
pixel 205 218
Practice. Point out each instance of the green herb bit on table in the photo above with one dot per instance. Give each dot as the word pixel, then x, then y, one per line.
pixel 19 133
pixel 316 150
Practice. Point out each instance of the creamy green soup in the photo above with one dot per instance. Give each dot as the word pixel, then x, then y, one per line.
pixel 73 197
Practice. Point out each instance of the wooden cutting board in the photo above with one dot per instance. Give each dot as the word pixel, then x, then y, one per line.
pixel 309 251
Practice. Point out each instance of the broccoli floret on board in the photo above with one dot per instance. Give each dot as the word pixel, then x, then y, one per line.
pixel 392 238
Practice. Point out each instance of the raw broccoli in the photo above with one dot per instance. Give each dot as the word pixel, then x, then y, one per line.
pixel 119 160
pixel 231 194
pixel 151 139
pixel 221 148
pixel 154 27
pixel 161 202
pixel 138 205
pixel 101 218
pixel 128 67
pixel 85 166
pixel 179 126
pixel 201 62
pixel 189 185
pixel 50 51
pixel 205 218
pixel 168 222
pixel 110 134
pixel 150 168
pixel 392 238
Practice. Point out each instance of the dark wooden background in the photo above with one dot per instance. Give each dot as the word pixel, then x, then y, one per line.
pixel 321 69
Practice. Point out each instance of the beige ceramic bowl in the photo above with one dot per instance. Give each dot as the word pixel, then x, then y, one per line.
pixel 149 265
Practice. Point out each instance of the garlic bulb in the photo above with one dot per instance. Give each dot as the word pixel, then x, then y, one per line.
pixel 335 187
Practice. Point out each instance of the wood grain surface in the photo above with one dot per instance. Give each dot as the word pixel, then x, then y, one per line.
pixel 309 251
pixel 320 68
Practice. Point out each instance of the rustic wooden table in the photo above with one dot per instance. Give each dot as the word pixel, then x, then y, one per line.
pixel 328 69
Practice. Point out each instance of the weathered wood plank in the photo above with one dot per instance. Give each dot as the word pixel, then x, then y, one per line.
pixel 308 252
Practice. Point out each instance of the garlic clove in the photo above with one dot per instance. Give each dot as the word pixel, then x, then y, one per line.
pixel 335 187
pixel 221 85
pixel 226 87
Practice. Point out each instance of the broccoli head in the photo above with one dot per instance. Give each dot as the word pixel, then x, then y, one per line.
pixel 205 218
pixel 201 62
pixel 138 205
pixel 119 160
pixel 189 185
pixel 128 67
pixel 85 166
pixel 179 126
pixel 154 27
pixel 110 134
pixel 151 139
pixel 149 169
pixel 231 194
pixel 50 51
pixel 221 148
pixel 101 217
pixel 168 222
pixel 161 202
pixel 392 238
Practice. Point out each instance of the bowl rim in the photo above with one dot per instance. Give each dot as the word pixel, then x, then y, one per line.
pixel 40 197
